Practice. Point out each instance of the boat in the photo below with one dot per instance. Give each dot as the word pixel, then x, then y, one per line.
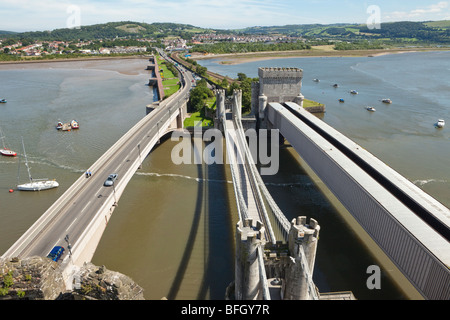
pixel 341 100
pixel 335 85
pixel 386 101
pixel 59 125
pixel 6 151
pixel 371 109
pixel 2 100
pixel 354 92
pixel 316 80
pixel 35 184
pixel 74 124
pixel 440 123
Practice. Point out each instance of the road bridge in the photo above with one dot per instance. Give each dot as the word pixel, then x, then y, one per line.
pixel 78 218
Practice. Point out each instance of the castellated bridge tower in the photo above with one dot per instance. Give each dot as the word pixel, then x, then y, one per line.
pixel 276 85
pixel 249 239
pixel 290 265
pixel 301 236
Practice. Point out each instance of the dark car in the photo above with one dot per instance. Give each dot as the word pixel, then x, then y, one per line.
pixel 111 178
pixel 56 253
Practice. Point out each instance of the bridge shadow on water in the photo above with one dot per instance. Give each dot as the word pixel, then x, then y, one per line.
pixel 212 202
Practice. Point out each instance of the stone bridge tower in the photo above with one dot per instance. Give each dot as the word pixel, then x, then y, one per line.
pixel 276 85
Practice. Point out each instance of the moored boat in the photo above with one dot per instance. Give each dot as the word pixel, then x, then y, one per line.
pixel 389 101
pixel 341 100
pixel 440 123
pixel 74 124
pixel 371 109
pixel 354 92
pixel 35 184
pixel 2 100
pixel 59 125
pixel 6 151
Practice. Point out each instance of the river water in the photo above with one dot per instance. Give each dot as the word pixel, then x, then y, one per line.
pixel 173 229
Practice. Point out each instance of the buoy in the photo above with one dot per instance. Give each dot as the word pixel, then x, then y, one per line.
pixel 11 190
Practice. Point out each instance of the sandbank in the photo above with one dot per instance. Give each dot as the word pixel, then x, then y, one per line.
pixel 123 65
pixel 321 51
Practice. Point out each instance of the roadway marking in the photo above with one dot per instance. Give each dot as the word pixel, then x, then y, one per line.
pixel 85 206
pixel 71 224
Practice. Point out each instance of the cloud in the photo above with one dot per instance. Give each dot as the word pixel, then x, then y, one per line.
pixel 433 12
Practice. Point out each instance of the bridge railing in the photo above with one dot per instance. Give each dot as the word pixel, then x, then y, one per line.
pixel 241 207
pixel 250 162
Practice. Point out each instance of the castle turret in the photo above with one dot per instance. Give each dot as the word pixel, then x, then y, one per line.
pixel 249 238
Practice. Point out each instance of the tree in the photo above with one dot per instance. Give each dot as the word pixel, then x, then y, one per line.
pixel 199 95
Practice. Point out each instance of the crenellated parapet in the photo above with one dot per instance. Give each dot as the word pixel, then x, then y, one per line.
pixel 249 238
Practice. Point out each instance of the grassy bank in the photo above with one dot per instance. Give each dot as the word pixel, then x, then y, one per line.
pixel 170 82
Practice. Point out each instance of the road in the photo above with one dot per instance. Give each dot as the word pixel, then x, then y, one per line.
pixel 81 205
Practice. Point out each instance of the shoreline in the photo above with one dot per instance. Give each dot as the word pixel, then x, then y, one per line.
pixel 114 64
pixel 238 58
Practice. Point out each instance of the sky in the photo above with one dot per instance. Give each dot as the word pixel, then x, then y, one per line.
pixel 40 15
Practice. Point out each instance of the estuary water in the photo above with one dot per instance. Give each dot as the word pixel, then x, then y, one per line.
pixel 401 134
pixel 172 231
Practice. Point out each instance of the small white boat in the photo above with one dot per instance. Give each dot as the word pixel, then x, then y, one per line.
pixel 35 184
pixel 2 100
pixel 371 109
pixel 6 151
pixel 440 123
pixel 389 101
pixel 316 80
pixel 354 92
pixel 74 124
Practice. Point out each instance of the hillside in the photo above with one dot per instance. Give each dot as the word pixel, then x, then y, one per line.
pixel 111 30
pixel 422 32
pixel 429 32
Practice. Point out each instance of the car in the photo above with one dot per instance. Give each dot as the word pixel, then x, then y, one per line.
pixel 111 178
pixel 56 253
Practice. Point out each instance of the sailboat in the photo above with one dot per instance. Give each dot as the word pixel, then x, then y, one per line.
pixel 5 151
pixel 35 184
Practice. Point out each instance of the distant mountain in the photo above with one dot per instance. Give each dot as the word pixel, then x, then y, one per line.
pixel 124 29
pixel 422 32
pixel 6 33
pixel 429 31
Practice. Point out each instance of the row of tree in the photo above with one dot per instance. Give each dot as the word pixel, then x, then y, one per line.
pixel 233 47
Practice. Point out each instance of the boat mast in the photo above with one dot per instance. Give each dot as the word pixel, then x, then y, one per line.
pixel 26 161
pixel 3 138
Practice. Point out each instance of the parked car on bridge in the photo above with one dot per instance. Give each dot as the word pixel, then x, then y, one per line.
pixel 56 253
pixel 111 178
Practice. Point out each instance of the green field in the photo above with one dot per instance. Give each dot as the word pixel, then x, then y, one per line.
pixel 197 117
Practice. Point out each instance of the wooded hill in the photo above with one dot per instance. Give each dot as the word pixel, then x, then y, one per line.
pixel 431 31
pixel 111 30
pixel 437 32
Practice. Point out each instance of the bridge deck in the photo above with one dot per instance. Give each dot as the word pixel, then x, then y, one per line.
pixel 238 159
